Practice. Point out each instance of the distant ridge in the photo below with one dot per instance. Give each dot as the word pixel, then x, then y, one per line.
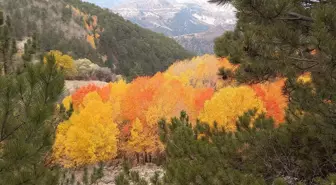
pixel 85 30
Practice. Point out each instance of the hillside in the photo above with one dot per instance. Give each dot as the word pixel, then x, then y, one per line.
pixel 191 23
pixel 201 42
pixel 84 30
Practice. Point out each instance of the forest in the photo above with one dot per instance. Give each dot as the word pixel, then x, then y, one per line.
pixel 84 30
pixel 261 111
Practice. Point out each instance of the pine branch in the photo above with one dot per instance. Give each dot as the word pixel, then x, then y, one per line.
pixel 12 132
pixel 4 121
pixel 303 59
pixel 297 16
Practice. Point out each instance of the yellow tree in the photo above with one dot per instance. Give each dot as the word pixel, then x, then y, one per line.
pixel 65 62
pixel 139 141
pixel 67 102
pixel 305 78
pixel 228 104
pixel 77 98
pixel 89 136
pixel 170 99
pixel 91 41
pixel 117 92
pixel 200 71
pixel 173 97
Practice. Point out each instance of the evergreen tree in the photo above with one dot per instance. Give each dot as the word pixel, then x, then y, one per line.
pixel 7 46
pixel 27 124
pixel 260 155
pixel 198 155
pixel 288 38
pixel 27 104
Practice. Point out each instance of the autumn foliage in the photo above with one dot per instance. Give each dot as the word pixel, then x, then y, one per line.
pixel 78 97
pixel 228 104
pixel 63 61
pixel 88 136
pixel 91 25
pixel 122 118
pixel 200 71
pixel 272 97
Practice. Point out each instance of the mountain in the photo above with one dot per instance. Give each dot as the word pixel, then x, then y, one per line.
pixel 85 30
pixel 193 23
pixel 201 42
pixel 105 3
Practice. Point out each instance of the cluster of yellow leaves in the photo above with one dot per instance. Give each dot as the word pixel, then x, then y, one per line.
pixel 89 26
pixel 200 71
pixel 228 104
pixel 91 41
pixel 77 12
pixel 129 112
pixel 65 62
pixel 88 136
pixel 93 29
pixel 67 102
pixel 305 78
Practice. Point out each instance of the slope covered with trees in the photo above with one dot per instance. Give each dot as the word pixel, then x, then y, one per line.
pixel 84 30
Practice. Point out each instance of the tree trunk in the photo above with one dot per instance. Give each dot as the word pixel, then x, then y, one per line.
pixel 146 158
pixel 150 157
pixel 138 158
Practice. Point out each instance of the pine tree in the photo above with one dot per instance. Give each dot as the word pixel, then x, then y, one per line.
pixel 7 45
pixel 27 127
pixel 31 48
pixel 27 104
pixel 204 156
pixel 289 38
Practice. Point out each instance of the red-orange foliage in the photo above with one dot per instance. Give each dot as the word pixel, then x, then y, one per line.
pixel 104 93
pixel 126 129
pixel 202 95
pixel 79 95
pixel 137 100
pixel 273 98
